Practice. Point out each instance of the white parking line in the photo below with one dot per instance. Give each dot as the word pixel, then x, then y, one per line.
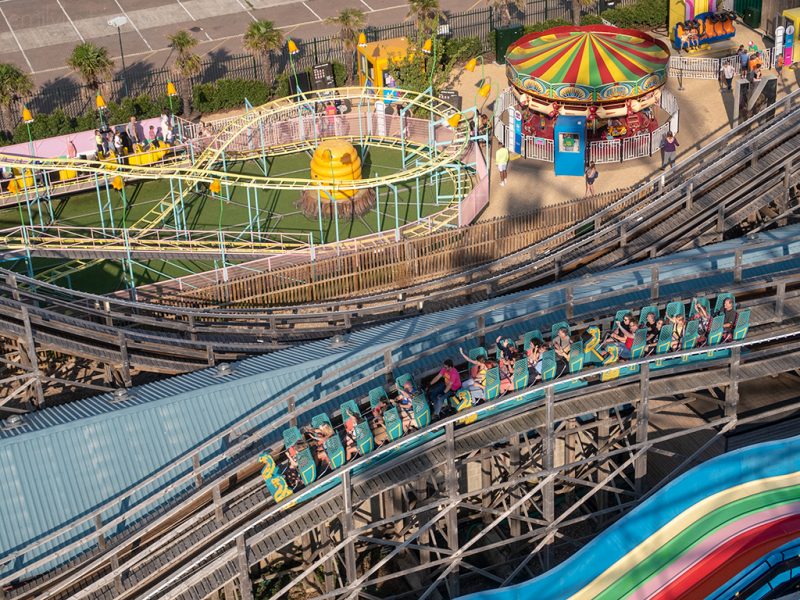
pixel 64 10
pixel 247 10
pixel 146 43
pixel 312 11
pixel 368 6
pixel 16 39
pixel 191 16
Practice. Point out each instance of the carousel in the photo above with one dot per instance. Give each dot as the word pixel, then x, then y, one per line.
pixel 611 77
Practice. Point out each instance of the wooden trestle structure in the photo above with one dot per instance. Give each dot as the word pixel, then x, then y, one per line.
pixel 71 341
pixel 481 505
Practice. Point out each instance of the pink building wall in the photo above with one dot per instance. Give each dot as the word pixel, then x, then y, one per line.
pixel 83 140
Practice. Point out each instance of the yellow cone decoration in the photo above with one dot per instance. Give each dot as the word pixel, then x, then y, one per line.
pixel 215 186
pixel 117 183
pixel 336 160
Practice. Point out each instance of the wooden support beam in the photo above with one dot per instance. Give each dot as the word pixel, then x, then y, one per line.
pixel 642 424
pixel 245 584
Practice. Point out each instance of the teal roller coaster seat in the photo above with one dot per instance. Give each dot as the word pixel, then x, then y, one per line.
pixel 474 353
pixel 305 460
pixel 422 410
pixel 391 417
pixel 520 373
pixel 646 311
pixel 365 443
pixel 492 383
pixel 742 324
pixel 333 445
pixel 534 334
pixel 675 309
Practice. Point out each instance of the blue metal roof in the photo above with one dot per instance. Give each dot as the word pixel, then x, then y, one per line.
pixel 68 459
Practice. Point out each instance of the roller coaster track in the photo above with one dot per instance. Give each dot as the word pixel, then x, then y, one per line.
pixel 754 164
pixel 198 543
pixel 279 114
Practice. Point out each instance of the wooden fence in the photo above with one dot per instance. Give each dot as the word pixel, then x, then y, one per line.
pixel 391 266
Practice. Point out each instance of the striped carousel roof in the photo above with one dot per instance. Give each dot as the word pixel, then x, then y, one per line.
pixel 594 63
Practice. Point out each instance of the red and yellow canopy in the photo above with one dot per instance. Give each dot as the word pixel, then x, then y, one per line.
pixel 589 64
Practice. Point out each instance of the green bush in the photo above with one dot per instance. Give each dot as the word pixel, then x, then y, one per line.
pixel 643 14
pixel 462 49
pixel 591 20
pixel 549 24
pixel 58 123
pixel 229 93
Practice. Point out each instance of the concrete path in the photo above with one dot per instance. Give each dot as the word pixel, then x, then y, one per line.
pixel 705 114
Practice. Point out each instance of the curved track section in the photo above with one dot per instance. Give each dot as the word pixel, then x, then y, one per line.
pixel 755 165
pixel 205 512
pixel 689 538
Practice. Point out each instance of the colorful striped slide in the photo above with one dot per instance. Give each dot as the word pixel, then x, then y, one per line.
pixel 690 538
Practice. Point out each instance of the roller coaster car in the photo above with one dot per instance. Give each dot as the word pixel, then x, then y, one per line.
pixel 582 352
pixel 461 401
pixel 305 460
pixel 333 445
pixel 711 27
pixel 365 443
pixel 275 482
pixel 391 417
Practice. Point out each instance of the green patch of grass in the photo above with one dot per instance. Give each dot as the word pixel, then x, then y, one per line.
pixel 267 211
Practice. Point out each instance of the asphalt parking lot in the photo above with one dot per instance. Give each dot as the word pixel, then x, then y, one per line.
pixel 39 35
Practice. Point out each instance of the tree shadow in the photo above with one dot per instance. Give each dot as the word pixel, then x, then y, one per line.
pixel 217 66
pixel 62 92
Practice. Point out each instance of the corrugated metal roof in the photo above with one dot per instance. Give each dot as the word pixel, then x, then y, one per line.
pixel 69 459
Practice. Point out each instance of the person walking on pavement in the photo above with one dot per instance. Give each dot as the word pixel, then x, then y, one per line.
pixel 744 60
pixel 501 158
pixel 591 176
pixel 728 72
pixel 669 147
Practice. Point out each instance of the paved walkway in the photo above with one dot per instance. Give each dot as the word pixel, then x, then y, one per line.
pixel 705 114
pixel 38 36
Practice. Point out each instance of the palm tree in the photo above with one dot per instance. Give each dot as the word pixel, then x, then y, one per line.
pixel 504 6
pixel 260 39
pixel 350 21
pixel 92 64
pixel 187 64
pixel 14 84
pixel 427 13
pixel 577 5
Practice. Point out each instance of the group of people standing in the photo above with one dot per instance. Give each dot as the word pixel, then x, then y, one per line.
pixel 132 137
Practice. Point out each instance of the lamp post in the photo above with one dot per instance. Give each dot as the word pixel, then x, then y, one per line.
pixel 27 117
pixel 429 47
pixel 485 84
pixel 118 22
pixel 101 105
pixel 171 93
pixel 293 50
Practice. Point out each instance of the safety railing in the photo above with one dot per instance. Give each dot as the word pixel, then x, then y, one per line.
pixel 580 306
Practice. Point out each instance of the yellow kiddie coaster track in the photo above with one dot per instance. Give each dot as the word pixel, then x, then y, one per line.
pixel 429 133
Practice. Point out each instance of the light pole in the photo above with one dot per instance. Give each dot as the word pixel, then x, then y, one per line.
pixel 27 117
pixel 101 105
pixel 118 22
pixel 293 50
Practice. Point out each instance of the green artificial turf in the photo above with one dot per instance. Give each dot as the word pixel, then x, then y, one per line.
pixel 277 213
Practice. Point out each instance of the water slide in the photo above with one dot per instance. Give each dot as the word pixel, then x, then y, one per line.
pixel 696 538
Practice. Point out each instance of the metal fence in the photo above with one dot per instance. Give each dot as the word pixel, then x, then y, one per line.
pixel 75 99
pixel 690 67
pixel 601 151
